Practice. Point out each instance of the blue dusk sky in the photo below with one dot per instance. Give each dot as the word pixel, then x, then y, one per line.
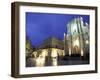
pixel 40 26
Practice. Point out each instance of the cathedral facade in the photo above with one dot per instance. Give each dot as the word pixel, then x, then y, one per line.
pixel 76 38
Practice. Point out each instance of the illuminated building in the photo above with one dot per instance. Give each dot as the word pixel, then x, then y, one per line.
pixel 52 42
pixel 54 47
pixel 76 38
